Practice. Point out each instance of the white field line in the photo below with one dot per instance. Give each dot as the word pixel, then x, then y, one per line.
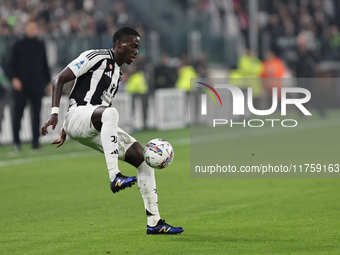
pixel 48 158
pixel 228 135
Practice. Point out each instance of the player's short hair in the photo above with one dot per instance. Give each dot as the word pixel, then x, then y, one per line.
pixel 124 31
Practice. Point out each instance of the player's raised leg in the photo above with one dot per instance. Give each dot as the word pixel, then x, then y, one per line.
pixel 147 188
pixel 105 120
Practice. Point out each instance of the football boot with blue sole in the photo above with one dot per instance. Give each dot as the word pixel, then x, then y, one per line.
pixel 121 182
pixel 163 228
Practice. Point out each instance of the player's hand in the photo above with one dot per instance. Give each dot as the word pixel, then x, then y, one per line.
pixel 53 120
pixel 61 139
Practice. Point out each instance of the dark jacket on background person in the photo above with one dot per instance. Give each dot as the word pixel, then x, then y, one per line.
pixel 305 65
pixel 28 62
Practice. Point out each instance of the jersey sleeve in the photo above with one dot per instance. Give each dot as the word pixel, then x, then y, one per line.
pixel 82 64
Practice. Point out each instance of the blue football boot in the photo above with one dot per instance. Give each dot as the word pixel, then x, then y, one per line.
pixel 122 182
pixel 163 228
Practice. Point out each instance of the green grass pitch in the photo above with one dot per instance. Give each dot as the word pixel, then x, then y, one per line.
pixel 58 201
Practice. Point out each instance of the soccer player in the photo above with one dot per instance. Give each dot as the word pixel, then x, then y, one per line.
pixel 93 121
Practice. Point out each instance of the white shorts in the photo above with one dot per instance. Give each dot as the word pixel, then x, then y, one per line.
pixel 78 126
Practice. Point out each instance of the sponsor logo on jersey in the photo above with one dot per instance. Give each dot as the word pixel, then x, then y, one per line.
pixel 106 97
pixel 78 65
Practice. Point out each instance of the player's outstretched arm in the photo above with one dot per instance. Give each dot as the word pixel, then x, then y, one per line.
pixel 63 77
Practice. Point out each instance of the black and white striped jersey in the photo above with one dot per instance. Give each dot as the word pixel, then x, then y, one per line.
pixel 97 78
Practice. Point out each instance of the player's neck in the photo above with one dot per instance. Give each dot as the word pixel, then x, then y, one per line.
pixel 118 62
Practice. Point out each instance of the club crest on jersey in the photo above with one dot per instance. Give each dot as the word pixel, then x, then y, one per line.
pixel 110 66
pixel 78 65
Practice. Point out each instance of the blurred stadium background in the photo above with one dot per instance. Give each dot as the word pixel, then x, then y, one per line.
pixel 181 39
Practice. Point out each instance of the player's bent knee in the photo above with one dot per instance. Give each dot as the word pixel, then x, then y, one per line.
pixel 110 115
pixel 134 155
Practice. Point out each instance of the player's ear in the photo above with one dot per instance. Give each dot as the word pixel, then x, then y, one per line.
pixel 116 45
pixel 119 44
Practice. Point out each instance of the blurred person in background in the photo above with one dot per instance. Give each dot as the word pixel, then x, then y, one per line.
pixel 121 16
pixel 4 93
pixel 334 43
pixel 247 75
pixel 306 66
pixel 165 75
pixel 137 86
pixel 273 70
pixel 29 73
pixel 306 61
pixel 243 20
pixel 250 66
pixel 275 29
pixel 185 72
pixel 201 66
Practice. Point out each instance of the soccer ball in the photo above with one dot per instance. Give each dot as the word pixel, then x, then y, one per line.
pixel 158 153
